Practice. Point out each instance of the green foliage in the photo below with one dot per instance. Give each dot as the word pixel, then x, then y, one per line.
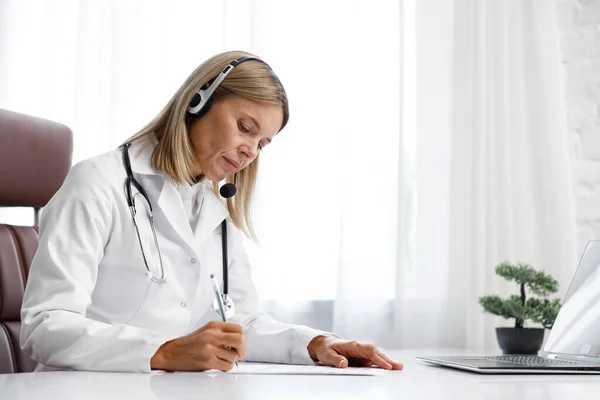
pixel 519 307
pixel 538 282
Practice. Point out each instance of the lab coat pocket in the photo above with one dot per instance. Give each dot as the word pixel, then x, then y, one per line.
pixel 144 287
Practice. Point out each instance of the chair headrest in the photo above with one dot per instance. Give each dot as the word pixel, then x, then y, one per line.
pixel 35 157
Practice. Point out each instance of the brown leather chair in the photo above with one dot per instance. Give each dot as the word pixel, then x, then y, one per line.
pixel 35 157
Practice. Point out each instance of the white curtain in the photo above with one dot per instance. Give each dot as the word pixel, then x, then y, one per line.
pixel 493 170
pixel 483 176
pixel 426 143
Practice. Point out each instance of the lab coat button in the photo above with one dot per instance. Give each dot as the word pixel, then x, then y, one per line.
pixel 193 261
pixel 183 304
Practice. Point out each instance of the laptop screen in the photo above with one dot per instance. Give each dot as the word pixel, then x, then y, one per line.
pixel 577 328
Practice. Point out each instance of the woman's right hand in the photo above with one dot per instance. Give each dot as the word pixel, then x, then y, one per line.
pixel 217 345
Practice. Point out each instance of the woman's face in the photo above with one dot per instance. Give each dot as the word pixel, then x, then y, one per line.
pixel 230 135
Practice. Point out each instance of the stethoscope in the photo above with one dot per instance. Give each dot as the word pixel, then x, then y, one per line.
pixel 131 181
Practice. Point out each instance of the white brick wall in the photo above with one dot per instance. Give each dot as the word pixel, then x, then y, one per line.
pixel 579 27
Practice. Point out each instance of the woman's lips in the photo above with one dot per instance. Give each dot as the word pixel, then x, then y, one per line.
pixel 234 166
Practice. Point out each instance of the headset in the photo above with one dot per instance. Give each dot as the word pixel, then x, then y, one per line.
pixel 202 100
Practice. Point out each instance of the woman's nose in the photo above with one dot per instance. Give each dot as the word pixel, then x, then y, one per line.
pixel 250 151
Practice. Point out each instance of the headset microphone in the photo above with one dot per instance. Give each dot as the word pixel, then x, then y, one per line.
pixel 228 190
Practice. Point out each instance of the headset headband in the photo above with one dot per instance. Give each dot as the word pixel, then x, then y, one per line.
pixel 202 98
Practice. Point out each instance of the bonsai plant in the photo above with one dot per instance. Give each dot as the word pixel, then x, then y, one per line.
pixel 521 340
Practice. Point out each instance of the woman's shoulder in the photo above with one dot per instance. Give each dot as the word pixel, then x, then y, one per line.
pixel 98 173
pixel 90 181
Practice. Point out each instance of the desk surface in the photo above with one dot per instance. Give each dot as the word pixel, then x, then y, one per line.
pixel 417 381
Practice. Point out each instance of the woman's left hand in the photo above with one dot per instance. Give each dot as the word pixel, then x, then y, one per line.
pixel 342 353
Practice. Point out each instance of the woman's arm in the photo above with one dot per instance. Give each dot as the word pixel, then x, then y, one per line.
pixel 74 230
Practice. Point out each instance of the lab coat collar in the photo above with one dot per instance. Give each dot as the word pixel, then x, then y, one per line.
pixel 140 156
pixel 169 200
pixel 211 215
pixel 213 212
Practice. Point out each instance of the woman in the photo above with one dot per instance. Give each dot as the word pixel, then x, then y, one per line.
pixel 120 281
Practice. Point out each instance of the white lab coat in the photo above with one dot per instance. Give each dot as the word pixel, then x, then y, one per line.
pixel 89 302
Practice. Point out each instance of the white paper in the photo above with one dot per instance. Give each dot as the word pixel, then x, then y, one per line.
pixel 252 368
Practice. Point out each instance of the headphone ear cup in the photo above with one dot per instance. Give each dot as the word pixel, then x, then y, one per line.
pixel 194 103
pixel 195 100
pixel 204 109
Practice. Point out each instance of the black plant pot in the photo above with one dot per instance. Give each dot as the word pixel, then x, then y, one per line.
pixel 520 340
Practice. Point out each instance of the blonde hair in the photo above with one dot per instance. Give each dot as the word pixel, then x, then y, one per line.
pixel 174 154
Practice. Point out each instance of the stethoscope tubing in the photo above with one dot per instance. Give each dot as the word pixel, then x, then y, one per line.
pixel 131 181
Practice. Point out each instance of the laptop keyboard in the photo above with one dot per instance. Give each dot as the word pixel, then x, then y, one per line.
pixel 531 361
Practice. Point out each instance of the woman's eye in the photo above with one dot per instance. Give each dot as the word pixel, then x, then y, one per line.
pixel 260 147
pixel 244 128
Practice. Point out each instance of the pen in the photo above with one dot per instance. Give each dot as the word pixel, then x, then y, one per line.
pixel 220 301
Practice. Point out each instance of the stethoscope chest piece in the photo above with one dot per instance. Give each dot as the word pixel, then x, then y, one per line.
pixel 229 307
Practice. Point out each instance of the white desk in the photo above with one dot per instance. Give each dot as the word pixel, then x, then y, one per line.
pixel 417 381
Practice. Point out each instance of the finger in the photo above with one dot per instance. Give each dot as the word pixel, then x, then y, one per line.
pixel 225 327
pixel 332 358
pixel 228 355
pixel 395 365
pixel 235 341
pixel 369 352
pixel 380 362
pixel 230 340
pixel 221 365
pixel 355 349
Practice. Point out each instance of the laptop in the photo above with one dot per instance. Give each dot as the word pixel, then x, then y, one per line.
pixel 573 346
